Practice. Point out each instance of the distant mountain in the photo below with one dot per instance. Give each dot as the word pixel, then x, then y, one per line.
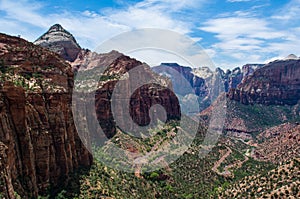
pixel 249 129
pixel 249 69
pixel 276 83
pixel 196 82
pixel 291 56
pixel 58 40
pixel 205 83
pixel 230 78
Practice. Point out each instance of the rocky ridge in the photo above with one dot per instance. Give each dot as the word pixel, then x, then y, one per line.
pixel 39 144
pixel 276 83
pixel 117 72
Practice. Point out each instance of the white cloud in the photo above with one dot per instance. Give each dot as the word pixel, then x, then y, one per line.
pixel 289 12
pixel 169 5
pixel 272 59
pixel 242 36
pixel 24 11
pixel 154 46
pixel 147 18
pixel 233 27
pixel 245 39
pixel 91 28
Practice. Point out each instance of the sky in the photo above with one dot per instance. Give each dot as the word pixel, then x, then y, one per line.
pixel 232 32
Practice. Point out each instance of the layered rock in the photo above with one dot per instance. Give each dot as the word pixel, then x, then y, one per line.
pixel 38 139
pixel 104 72
pixel 276 83
pixel 244 121
pixel 58 40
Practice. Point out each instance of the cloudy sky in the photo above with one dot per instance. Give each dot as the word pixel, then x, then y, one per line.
pixel 233 32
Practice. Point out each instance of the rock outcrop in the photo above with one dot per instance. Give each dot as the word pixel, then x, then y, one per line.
pixel 118 69
pixel 39 145
pixel 276 83
pixel 58 40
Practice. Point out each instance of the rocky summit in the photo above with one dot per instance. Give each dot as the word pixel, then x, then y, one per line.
pixel 58 40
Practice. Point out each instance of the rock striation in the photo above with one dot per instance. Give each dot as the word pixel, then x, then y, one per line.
pixel 39 145
pixel 117 71
pixel 58 40
pixel 276 83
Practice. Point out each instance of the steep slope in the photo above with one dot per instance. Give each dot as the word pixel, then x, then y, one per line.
pixel 246 121
pixel 279 143
pixel 117 72
pixel 58 40
pixel 282 182
pixel 38 140
pixel 276 83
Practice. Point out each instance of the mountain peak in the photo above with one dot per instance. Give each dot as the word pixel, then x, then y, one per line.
pixel 59 40
pixel 291 56
pixel 56 28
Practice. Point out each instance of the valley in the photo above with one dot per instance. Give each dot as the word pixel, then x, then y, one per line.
pixel 45 153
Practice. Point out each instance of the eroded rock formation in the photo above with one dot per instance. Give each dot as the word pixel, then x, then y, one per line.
pixel 39 145
pixel 276 83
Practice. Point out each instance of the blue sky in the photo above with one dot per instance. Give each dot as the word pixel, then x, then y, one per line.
pixel 233 32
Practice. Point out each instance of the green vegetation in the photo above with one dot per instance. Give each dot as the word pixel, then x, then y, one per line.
pixel 277 182
pixel 107 77
pixel 258 117
pixel 187 177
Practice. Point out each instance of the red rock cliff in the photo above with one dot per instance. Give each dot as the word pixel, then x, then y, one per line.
pixel 39 145
pixel 276 83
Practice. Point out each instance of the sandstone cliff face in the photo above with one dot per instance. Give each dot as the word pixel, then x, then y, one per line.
pixel 276 83
pixel 244 120
pixel 58 40
pixel 39 145
pixel 117 71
